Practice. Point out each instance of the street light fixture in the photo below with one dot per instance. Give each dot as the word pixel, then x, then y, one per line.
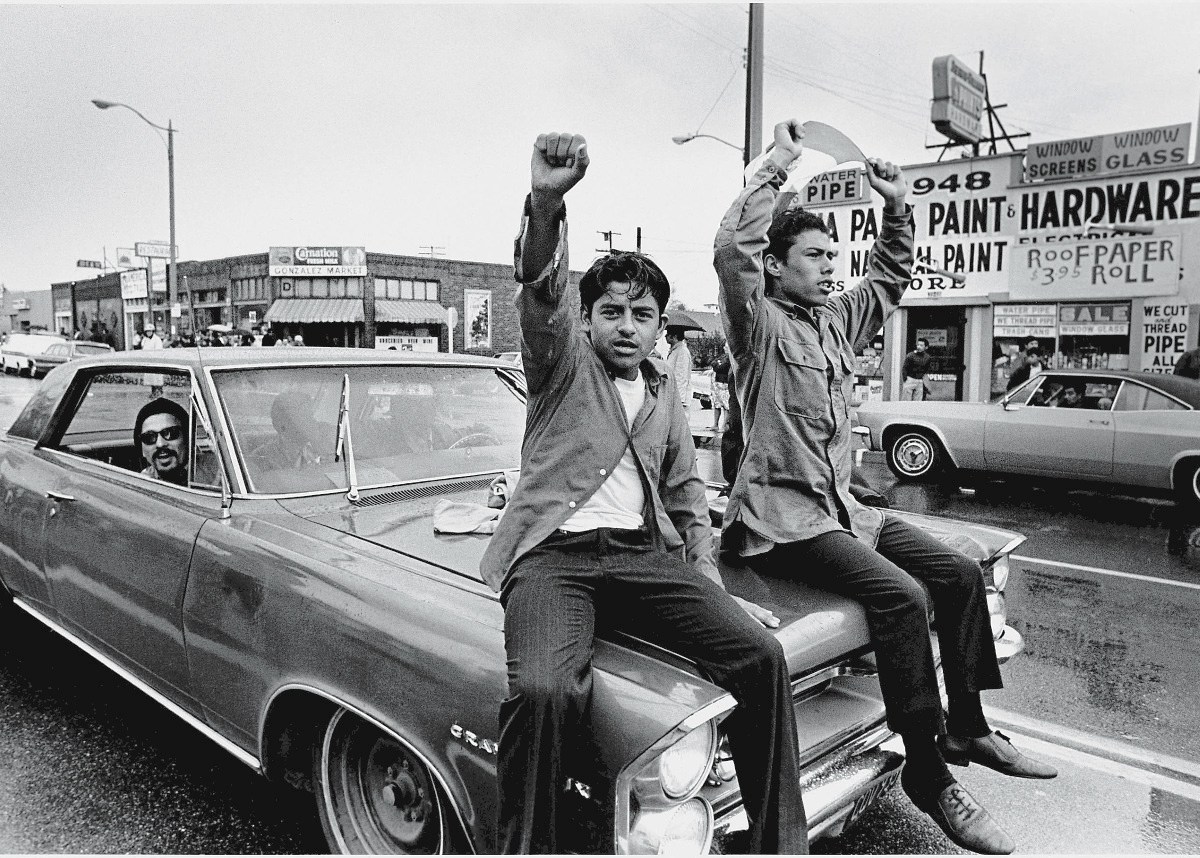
pixel 688 138
pixel 172 281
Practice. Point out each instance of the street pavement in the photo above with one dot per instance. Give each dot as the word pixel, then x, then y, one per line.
pixel 1104 592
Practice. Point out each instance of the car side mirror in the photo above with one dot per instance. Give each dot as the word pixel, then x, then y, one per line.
pixel 1012 406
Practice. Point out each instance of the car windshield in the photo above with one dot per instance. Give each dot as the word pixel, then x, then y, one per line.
pixel 407 423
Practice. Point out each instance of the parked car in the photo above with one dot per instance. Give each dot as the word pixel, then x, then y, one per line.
pixel 702 388
pixel 22 353
pixel 1136 429
pixel 293 603
pixel 60 353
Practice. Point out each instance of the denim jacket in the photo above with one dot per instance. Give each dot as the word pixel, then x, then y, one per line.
pixel 794 376
pixel 576 433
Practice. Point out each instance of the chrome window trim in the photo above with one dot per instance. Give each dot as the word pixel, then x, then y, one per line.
pixel 88 373
pixel 174 708
pixel 1158 390
pixel 375 722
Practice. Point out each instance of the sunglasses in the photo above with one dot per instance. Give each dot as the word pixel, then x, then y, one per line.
pixel 170 433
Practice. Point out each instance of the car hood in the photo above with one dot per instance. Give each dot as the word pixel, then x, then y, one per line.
pixel 816 628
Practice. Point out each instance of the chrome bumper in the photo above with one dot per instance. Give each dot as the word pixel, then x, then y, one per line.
pixel 836 790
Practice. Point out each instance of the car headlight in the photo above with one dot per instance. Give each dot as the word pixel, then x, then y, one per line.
pixel 685 829
pixel 997 611
pixel 657 807
pixel 1000 574
pixel 683 767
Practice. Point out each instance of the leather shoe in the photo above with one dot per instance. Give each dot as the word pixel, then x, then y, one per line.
pixel 965 822
pixel 996 752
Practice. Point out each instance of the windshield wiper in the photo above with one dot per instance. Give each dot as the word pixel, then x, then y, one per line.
pixel 343 449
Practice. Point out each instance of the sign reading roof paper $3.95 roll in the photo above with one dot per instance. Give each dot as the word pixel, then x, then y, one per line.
pixel 318 261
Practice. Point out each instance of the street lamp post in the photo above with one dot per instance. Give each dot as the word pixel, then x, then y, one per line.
pixel 172 282
pixel 688 138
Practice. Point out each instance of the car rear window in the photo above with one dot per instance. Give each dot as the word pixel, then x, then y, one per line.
pixel 91 348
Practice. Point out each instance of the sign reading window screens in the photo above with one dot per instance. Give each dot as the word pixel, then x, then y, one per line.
pixel 477 318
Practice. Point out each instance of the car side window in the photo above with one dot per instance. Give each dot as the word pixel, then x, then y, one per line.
pixel 1089 393
pixel 57 349
pixel 1136 397
pixel 205 462
pixel 101 426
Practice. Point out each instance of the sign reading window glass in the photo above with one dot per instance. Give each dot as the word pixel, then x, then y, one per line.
pixel 477 318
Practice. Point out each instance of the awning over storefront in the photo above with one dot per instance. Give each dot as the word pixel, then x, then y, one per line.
pixel 410 312
pixel 303 310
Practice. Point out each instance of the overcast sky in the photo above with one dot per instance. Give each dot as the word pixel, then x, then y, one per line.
pixel 398 127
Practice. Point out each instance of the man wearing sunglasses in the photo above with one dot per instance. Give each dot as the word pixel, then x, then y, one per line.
pixel 161 432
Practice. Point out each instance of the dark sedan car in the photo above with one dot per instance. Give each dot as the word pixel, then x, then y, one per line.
pixel 1136 429
pixel 60 353
pixel 293 602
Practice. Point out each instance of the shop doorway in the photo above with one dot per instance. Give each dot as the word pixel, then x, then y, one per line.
pixel 943 328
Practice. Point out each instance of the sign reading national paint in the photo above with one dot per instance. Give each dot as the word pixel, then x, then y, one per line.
pixel 1116 267
pixel 1109 154
pixel 1164 335
pixel 152 249
pixel 133 284
pixel 318 261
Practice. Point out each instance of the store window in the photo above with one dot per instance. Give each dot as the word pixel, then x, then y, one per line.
pixel 868 371
pixel 1093 336
pixel 393 288
pixel 1016 330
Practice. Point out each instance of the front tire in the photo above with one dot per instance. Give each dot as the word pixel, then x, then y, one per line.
pixel 1187 483
pixel 914 455
pixel 374 796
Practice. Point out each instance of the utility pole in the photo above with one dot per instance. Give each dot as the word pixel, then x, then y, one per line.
pixel 754 85
pixel 606 235
pixel 639 239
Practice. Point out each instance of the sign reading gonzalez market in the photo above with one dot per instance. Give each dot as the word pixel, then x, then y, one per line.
pixel 317 261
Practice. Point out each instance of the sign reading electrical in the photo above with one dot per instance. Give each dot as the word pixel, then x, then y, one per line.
pixel 318 261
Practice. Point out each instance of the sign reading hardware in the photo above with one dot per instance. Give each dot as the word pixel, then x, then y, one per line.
pixel 323 261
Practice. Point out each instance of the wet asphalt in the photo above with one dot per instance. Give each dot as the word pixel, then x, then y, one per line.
pixel 1106 690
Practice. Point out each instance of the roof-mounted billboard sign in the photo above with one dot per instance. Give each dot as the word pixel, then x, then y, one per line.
pixel 959 97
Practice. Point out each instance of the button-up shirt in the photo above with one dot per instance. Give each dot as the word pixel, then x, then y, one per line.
pixel 576 432
pixel 794 375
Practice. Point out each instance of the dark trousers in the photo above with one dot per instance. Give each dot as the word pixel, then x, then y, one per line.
pixel 887 582
pixel 552 598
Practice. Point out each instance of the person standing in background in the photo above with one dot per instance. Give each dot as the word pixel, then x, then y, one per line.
pixel 679 361
pixel 916 364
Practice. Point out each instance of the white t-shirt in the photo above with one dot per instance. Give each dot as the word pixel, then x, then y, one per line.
pixel 619 501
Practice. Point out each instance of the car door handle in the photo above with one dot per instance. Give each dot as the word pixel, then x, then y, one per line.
pixel 1101 422
pixel 58 496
